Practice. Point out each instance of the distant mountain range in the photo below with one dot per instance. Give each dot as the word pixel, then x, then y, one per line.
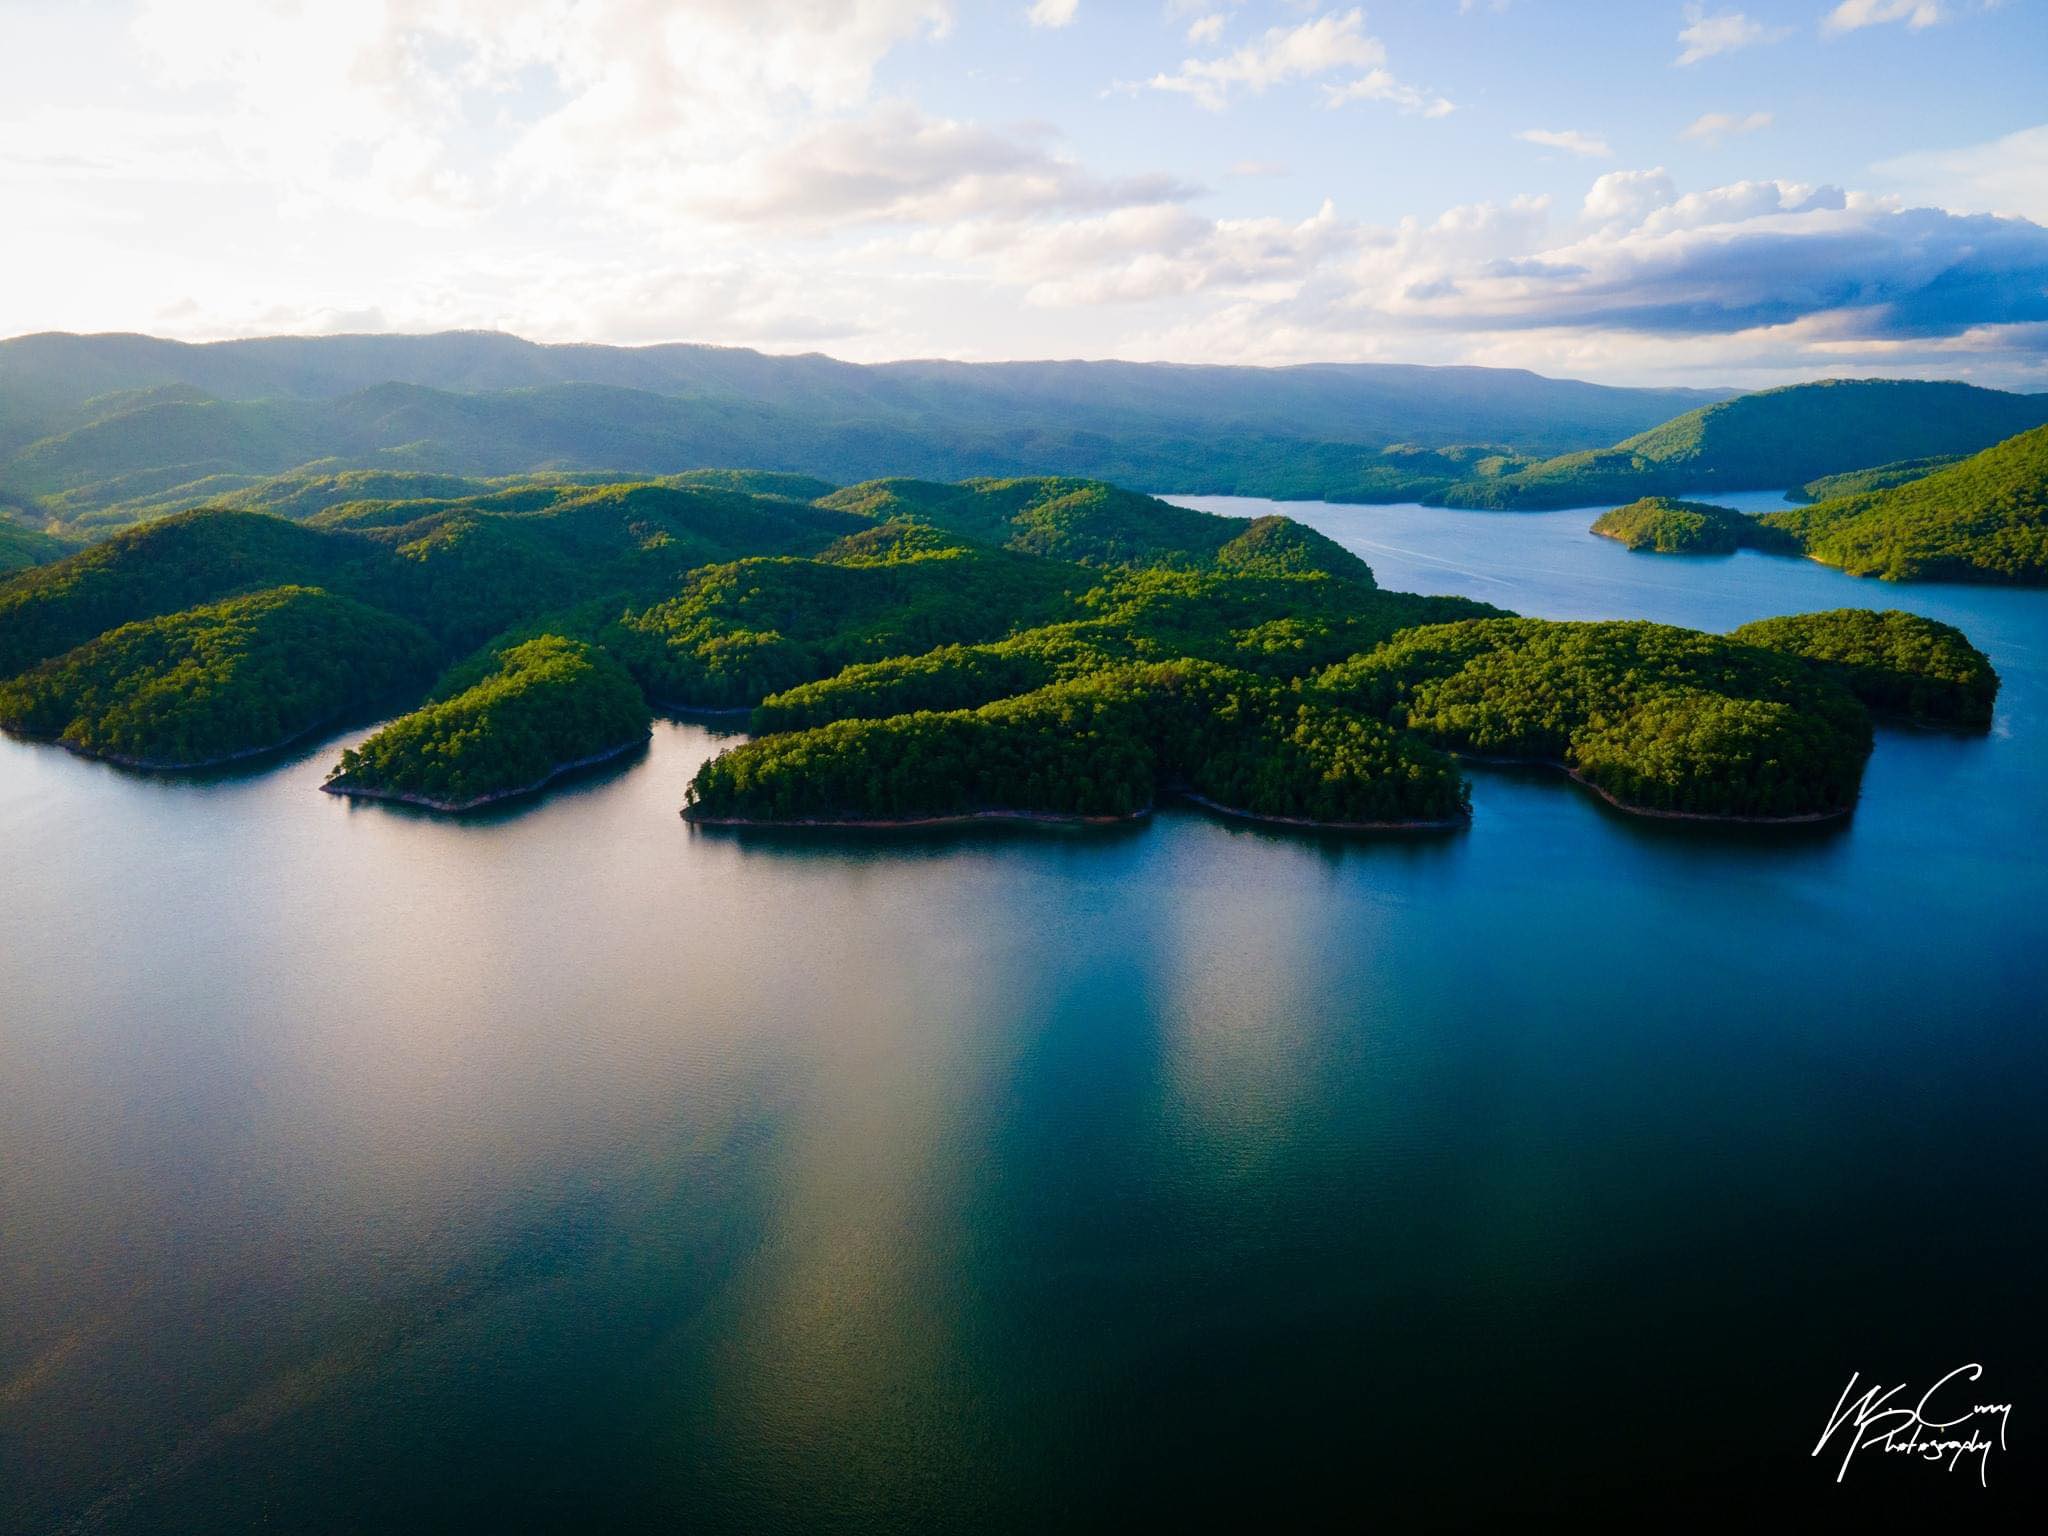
pixel 97 432
pixel 1775 439
pixel 99 429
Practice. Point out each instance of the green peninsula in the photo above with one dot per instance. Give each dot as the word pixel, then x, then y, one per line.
pixel 1984 519
pixel 532 713
pixel 908 650
pixel 219 681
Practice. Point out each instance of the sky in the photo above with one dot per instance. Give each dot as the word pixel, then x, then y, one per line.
pixel 1632 192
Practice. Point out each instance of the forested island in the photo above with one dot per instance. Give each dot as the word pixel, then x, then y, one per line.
pixel 915 650
pixel 1665 525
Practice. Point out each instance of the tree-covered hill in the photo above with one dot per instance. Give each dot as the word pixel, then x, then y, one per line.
pixel 1899 664
pixel 1097 524
pixel 1108 744
pixel 22 547
pixel 1984 519
pixel 1657 718
pixel 164 567
pixel 504 726
pixel 1039 645
pixel 1768 441
pixel 1103 718
pixel 1666 526
pixel 219 681
pixel 1880 478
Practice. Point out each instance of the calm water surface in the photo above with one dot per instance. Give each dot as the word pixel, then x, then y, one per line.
pixel 361 1170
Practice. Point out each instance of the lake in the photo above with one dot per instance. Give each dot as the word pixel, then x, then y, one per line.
pixel 568 1167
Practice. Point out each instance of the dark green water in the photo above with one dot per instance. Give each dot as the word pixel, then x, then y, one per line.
pixel 365 1171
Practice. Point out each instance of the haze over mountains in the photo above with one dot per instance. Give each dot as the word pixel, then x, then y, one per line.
pixel 100 432
pixel 93 422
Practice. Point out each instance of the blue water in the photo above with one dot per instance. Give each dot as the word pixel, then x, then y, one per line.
pixel 570 1168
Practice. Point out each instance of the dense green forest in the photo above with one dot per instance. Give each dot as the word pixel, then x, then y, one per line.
pixel 1107 744
pixel 22 547
pixel 219 681
pixel 1659 718
pixel 914 648
pixel 1984 519
pixel 1881 477
pixel 1899 664
pixel 1768 441
pixel 1666 526
pixel 501 727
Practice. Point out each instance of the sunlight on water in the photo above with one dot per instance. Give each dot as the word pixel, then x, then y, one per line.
pixel 359 1167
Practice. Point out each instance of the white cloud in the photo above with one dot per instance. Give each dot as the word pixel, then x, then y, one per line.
pixel 383 103
pixel 1206 29
pixel 1568 139
pixel 1724 32
pixel 1332 43
pixel 897 165
pixel 1756 277
pixel 1052 13
pixel 1853 14
pixel 1379 85
pixel 2008 175
pixel 1713 127
pixel 1627 197
pixel 730 170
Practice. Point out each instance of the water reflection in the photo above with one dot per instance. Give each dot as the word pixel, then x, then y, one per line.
pixel 573 1166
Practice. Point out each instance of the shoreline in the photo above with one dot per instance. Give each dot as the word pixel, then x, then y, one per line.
pixel 905 823
pixel 1061 819
pixel 174 765
pixel 701 711
pixel 1311 824
pixel 427 802
pixel 1800 818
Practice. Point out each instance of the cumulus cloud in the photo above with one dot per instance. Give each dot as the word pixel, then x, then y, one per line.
pixel 1207 29
pixel 1568 139
pixel 1749 270
pixel 1873 271
pixel 1628 197
pixel 730 170
pixel 1724 32
pixel 1713 127
pixel 1333 43
pixel 1853 14
pixel 897 165
pixel 1052 13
